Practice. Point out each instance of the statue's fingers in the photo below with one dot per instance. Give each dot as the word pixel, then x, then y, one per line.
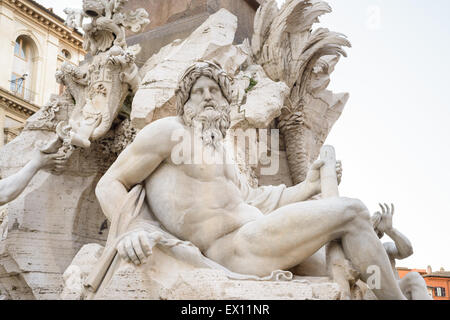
pixel 54 156
pixel 138 249
pixel 382 208
pixel 145 243
pixel 122 252
pixel 393 208
pixel 130 251
pixel 318 164
pixel 388 211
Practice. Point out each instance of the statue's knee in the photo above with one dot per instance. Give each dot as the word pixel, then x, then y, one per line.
pixel 413 279
pixel 356 210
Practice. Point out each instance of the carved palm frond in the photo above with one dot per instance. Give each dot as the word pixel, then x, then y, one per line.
pixel 285 45
pixel 263 20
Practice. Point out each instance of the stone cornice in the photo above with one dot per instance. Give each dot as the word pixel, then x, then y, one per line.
pixel 17 104
pixel 47 19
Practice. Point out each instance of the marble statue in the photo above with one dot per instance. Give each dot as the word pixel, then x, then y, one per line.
pixel 74 17
pixel 189 216
pixel 412 285
pixel 247 230
pixel 45 158
pixel 101 89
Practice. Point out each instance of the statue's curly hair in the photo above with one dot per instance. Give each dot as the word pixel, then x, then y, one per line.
pixel 202 68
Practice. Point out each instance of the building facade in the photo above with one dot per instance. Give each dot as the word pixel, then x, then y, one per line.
pixel 35 43
pixel 438 283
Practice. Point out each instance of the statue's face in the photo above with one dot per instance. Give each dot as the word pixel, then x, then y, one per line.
pixel 207 109
pixel 206 95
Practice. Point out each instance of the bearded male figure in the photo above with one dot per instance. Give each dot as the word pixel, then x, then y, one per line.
pixel 248 231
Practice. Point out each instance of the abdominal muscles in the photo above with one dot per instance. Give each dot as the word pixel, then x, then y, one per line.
pixel 193 210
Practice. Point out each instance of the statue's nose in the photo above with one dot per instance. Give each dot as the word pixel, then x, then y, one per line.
pixel 207 95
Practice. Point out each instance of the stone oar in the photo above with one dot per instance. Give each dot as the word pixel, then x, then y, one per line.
pixel 337 264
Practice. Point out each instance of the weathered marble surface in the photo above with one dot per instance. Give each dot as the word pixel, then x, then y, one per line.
pixel 56 216
pixel 166 278
pixel 48 224
pixel 212 40
pixel 206 214
pixel 177 19
pixel 100 88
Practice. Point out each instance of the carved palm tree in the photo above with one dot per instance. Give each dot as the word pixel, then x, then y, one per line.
pixel 285 45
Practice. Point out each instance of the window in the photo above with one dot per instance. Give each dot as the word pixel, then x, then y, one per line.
pixel 66 54
pixel 439 292
pixel 17 83
pixel 20 49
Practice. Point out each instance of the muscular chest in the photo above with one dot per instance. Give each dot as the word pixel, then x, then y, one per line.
pixel 204 172
pixel 206 165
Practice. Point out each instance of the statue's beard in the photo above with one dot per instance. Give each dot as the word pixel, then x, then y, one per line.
pixel 212 124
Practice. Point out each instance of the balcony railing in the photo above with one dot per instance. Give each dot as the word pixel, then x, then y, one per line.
pixel 26 94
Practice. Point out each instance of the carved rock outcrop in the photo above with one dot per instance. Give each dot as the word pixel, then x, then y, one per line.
pixel 213 40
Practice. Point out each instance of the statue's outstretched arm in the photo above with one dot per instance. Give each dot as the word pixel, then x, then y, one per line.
pixel 13 186
pixel 310 187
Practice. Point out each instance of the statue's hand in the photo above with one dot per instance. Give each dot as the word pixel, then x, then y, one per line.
pixel 50 161
pixel 313 178
pixel 135 248
pixel 385 224
pixel 49 156
pixel 312 181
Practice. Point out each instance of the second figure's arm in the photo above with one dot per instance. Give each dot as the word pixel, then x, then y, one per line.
pixel 401 248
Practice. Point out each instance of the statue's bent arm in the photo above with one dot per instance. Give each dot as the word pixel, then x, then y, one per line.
pixel 401 248
pixel 151 147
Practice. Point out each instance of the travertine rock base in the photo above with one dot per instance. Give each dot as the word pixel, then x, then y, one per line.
pixel 205 284
pixel 165 278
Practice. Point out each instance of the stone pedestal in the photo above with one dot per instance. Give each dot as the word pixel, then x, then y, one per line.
pixel 204 284
pixel 176 19
pixel 164 277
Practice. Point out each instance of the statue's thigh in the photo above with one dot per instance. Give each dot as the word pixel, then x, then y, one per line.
pixel 309 223
pixel 290 235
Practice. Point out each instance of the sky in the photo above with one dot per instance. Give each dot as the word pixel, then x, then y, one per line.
pixel 393 134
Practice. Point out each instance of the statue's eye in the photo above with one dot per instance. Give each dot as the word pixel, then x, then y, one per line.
pixel 214 90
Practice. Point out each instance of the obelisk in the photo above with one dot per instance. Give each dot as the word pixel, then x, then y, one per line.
pixel 176 19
